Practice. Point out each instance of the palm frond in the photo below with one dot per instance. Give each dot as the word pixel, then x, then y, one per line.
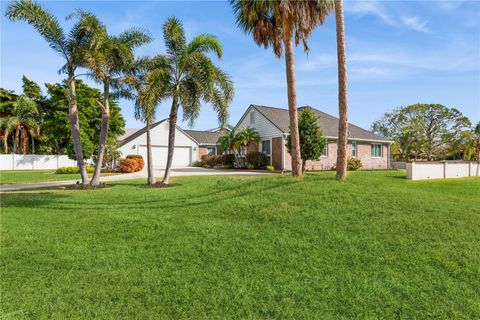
pixel 174 37
pixel 205 43
pixel 44 22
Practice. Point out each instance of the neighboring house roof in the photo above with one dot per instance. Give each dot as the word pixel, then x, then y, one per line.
pixel 226 128
pixel 128 132
pixel 328 123
pixel 205 137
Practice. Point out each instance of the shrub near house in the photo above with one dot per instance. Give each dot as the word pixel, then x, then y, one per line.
pixel 131 163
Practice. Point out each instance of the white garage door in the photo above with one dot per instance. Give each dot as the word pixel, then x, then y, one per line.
pixel 181 156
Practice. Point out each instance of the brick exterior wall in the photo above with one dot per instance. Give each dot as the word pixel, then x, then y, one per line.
pixel 277 153
pixel 252 146
pixel 326 163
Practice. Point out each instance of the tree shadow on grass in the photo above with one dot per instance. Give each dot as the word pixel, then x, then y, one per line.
pixel 221 194
pixel 29 199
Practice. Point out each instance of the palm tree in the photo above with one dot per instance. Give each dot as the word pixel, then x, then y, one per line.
pixel 71 47
pixel 23 122
pixel 276 24
pixel 108 63
pixel 147 79
pixel 192 78
pixel 246 136
pixel 342 94
pixel 229 142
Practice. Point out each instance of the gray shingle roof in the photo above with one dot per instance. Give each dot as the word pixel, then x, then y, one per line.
pixel 205 137
pixel 328 123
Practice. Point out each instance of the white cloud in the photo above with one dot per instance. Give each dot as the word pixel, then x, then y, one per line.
pixel 416 24
pixel 370 7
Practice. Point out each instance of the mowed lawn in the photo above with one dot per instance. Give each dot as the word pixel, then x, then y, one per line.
pixel 376 247
pixel 34 176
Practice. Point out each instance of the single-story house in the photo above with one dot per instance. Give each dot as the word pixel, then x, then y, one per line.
pixel 190 145
pixel 272 124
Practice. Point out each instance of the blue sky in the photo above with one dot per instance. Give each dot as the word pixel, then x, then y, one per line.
pixel 398 53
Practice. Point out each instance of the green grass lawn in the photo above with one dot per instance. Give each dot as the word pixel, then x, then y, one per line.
pixel 33 176
pixel 376 247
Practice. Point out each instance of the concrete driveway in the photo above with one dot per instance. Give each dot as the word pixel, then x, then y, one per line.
pixel 190 171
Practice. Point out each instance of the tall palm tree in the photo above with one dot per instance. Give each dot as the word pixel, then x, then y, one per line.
pixel 107 64
pixel 277 24
pixel 71 47
pixel 342 94
pixel 192 78
pixel 146 84
pixel 23 123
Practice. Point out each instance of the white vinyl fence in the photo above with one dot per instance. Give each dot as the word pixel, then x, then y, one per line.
pixel 442 170
pixel 34 162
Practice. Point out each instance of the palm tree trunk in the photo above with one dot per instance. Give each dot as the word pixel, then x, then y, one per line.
pixel 304 164
pixel 151 177
pixel 171 139
pixel 75 127
pixel 342 94
pixel 5 142
pixel 103 134
pixel 24 138
pixel 16 142
pixel 292 101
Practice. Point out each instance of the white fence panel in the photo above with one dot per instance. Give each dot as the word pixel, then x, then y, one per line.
pixel 34 162
pixel 441 170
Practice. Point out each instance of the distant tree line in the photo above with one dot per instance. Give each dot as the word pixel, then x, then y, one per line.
pixel 431 132
pixel 37 123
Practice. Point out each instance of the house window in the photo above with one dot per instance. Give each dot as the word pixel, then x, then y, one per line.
pixel 211 150
pixel 266 147
pixel 376 150
pixel 354 149
pixel 252 117
pixel 325 151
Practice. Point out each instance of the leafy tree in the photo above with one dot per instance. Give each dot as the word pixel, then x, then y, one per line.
pixel 31 89
pixel 342 164
pixel 24 122
pixel 71 47
pixel 421 130
pixel 55 115
pixel 191 77
pixel 278 24
pixel 312 140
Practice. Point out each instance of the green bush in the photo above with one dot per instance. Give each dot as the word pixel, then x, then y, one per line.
pixel 70 170
pixel 228 160
pixel 250 166
pixel 257 159
pixel 199 164
pixel 354 163
pixel 271 168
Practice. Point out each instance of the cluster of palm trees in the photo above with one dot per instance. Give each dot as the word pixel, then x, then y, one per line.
pixel 185 74
pixel 280 25
pixel 231 141
pixel 23 124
